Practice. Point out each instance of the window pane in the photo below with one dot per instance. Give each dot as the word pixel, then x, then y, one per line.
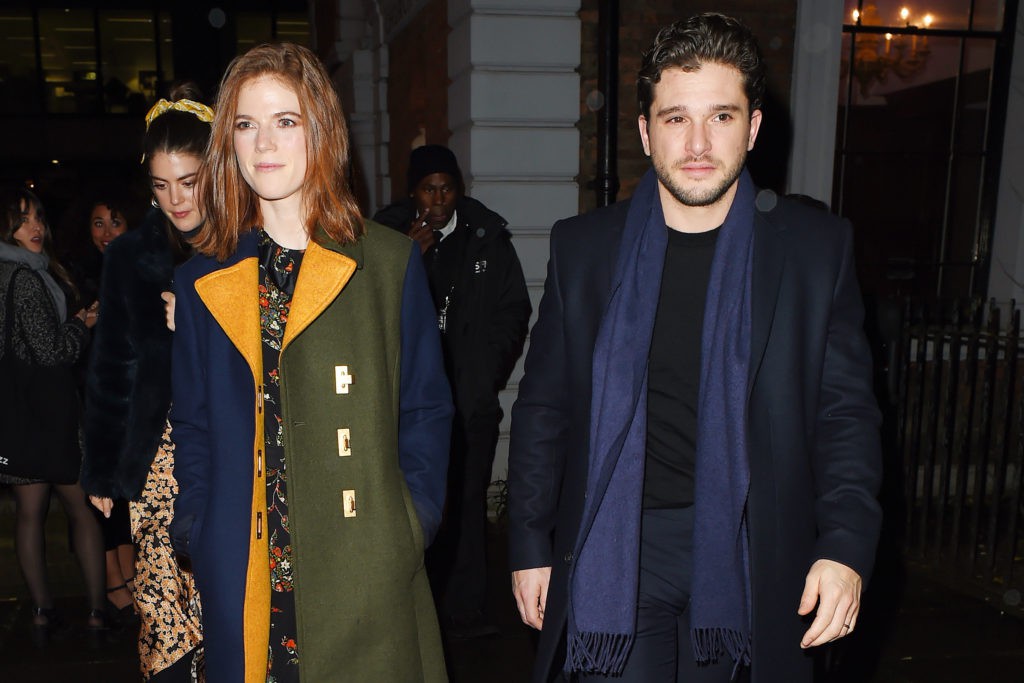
pixel 294 28
pixel 128 50
pixel 949 14
pixel 988 15
pixel 68 41
pixel 975 94
pixel 895 201
pixel 957 260
pixel 887 63
pixel 166 54
pixel 904 99
pixel 966 174
pixel 253 29
pixel 849 17
pixel 18 89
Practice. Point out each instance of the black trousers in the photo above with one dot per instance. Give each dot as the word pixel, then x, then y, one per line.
pixel 457 561
pixel 661 651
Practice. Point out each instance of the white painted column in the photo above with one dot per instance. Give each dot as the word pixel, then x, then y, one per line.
pixel 360 78
pixel 369 124
pixel 814 97
pixel 513 105
pixel 1006 277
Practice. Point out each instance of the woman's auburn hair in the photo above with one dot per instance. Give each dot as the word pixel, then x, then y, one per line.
pixel 231 207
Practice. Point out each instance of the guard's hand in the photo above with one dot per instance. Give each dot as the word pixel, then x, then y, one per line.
pixel 421 231
pixel 835 589
pixel 530 588
pixel 168 298
pixel 102 504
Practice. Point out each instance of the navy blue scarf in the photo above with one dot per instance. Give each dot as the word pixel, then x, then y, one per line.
pixel 604 579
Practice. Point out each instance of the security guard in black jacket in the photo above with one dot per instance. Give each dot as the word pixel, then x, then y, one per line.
pixel 483 312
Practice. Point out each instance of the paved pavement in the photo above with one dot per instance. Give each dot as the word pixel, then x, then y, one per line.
pixel 913 630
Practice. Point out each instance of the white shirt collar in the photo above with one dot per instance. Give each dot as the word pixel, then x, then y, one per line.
pixel 449 228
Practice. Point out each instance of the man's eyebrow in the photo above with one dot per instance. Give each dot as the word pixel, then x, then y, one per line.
pixel 682 109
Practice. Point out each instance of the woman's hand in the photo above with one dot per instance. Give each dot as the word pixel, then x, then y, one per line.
pixel 168 298
pixel 90 315
pixel 104 505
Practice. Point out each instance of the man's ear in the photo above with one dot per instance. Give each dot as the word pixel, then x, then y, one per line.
pixel 755 125
pixel 641 123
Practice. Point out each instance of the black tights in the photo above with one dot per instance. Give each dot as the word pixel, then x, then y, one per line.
pixel 33 503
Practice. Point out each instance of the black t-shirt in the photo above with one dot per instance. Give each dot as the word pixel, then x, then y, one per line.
pixel 673 383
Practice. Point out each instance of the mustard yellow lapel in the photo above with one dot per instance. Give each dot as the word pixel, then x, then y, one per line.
pixel 231 296
pixel 322 276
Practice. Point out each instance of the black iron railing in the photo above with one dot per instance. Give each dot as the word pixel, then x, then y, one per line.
pixel 958 430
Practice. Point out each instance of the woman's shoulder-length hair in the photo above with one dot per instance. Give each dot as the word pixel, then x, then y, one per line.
pixel 230 206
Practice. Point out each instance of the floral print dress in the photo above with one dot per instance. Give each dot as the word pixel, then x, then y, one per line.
pixel 278 272
pixel 165 594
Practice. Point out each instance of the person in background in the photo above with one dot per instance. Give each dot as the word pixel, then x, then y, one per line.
pixel 102 213
pixel 483 312
pixel 695 455
pixel 129 453
pixel 96 220
pixel 310 411
pixel 42 333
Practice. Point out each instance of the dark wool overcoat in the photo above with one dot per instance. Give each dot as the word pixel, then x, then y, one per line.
pixel 128 382
pixel 367 417
pixel 814 449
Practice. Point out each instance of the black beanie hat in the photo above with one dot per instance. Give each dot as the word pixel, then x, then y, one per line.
pixel 430 159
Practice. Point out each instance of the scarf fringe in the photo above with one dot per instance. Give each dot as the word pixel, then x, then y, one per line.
pixel 711 643
pixel 604 653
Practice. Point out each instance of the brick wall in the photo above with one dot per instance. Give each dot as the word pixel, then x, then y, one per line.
pixel 773 22
pixel 418 87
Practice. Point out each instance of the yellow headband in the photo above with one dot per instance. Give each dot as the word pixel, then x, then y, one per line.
pixel 201 111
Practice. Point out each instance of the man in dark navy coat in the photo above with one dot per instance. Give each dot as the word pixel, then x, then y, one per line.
pixel 695 455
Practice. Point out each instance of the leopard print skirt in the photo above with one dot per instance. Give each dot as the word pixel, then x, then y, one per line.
pixel 165 595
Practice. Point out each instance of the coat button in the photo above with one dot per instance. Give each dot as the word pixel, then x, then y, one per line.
pixel 342 379
pixel 568 557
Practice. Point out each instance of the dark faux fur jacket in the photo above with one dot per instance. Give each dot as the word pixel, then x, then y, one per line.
pixel 128 382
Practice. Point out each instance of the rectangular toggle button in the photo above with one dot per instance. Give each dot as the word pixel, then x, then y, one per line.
pixel 342 379
pixel 348 502
pixel 344 444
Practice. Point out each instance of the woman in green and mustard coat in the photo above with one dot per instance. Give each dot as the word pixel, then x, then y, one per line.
pixel 310 411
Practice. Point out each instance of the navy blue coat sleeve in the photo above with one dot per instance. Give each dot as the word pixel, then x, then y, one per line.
pixel 540 420
pixel 425 400
pixel 189 415
pixel 847 450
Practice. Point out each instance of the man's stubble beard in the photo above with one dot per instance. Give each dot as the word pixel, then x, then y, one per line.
pixel 698 198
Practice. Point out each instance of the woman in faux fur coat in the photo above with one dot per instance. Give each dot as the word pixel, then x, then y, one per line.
pixel 128 451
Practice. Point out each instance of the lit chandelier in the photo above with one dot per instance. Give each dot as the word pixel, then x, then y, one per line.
pixel 876 55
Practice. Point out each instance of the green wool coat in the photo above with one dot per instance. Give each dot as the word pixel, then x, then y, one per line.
pixel 366 411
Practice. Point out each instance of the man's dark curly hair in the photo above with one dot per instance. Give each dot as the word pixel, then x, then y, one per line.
pixel 689 43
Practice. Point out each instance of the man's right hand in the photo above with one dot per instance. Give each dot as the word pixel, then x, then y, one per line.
pixel 530 588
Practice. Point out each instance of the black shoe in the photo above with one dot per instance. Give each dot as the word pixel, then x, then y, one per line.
pixel 47 625
pixel 121 617
pixel 99 626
